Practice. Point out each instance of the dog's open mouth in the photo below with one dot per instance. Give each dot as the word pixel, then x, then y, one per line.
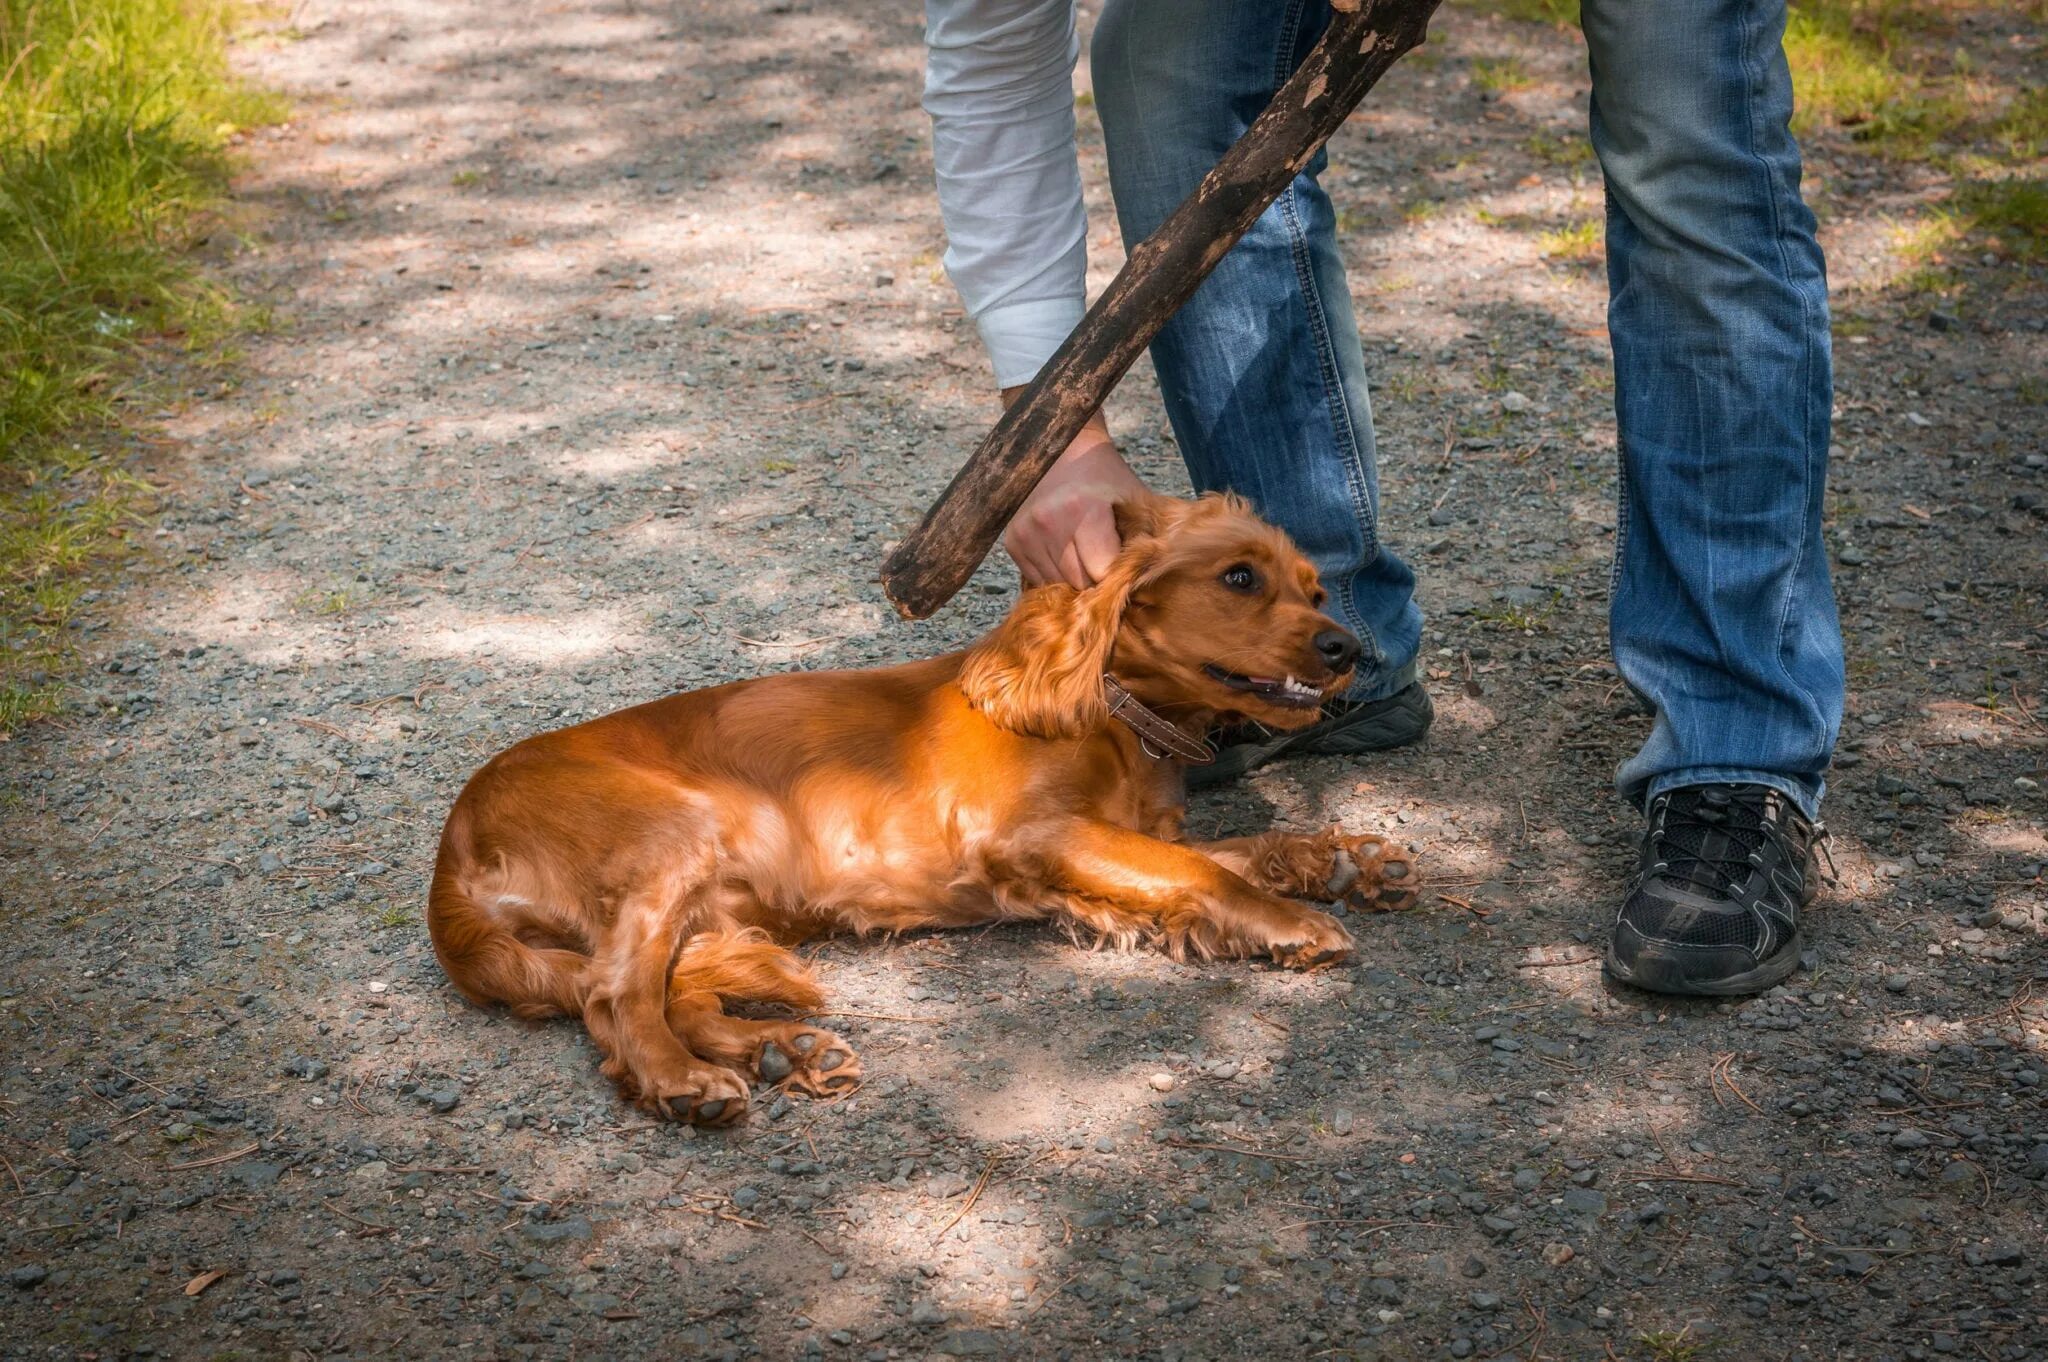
pixel 1285 691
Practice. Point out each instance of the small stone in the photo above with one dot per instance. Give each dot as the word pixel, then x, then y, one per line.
pixel 554 1231
pixel 1896 983
pixel 1910 1138
pixel 1557 1255
pixel 1341 1122
pixel 1161 1082
pixel 746 1198
pixel 1512 401
pixel 1485 1301
pixel 27 1275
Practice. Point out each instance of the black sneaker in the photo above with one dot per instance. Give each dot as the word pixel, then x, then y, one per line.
pixel 1714 911
pixel 1346 729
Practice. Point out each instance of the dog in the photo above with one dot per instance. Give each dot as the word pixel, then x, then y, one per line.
pixel 641 870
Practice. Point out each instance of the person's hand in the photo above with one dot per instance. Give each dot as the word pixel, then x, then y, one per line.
pixel 1066 529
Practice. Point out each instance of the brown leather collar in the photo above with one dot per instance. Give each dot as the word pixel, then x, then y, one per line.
pixel 1154 731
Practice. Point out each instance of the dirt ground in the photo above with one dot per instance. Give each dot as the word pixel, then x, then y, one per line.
pixel 613 349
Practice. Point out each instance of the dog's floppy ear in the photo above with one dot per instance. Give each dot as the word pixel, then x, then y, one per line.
pixel 1040 672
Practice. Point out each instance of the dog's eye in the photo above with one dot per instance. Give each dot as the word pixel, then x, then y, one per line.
pixel 1241 577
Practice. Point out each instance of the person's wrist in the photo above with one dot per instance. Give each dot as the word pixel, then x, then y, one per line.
pixel 1086 443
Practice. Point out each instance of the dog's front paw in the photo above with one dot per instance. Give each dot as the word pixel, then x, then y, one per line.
pixel 1311 941
pixel 702 1095
pixel 1374 874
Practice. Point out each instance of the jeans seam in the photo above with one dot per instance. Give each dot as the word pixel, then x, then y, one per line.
pixel 1337 402
pixel 1749 89
pixel 1343 427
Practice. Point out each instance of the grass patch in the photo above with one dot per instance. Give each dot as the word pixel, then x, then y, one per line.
pixel 1663 1345
pixel 2007 216
pixel 1581 242
pixel 114 118
pixel 1562 12
pixel 1501 75
pixel 1559 151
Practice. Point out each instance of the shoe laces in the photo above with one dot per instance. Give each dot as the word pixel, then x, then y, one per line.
pixel 1710 832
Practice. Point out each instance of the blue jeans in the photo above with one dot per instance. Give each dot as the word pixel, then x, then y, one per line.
pixel 1723 618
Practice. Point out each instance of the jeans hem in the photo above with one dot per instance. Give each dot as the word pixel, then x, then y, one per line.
pixel 1806 794
pixel 1383 683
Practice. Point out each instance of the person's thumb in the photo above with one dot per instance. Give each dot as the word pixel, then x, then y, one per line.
pixel 1096 542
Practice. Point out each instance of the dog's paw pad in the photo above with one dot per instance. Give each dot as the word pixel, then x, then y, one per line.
pixel 773 1064
pixel 698 1110
pixel 1388 879
pixel 1342 877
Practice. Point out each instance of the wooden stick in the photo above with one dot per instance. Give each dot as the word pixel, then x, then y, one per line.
pixel 936 559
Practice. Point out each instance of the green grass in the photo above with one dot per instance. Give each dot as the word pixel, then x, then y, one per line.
pixel 1559 151
pixel 1581 241
pixel 2008 216
pixel 1663 1345
pixel 1535 11
pixel 1502 75
pixel 114 119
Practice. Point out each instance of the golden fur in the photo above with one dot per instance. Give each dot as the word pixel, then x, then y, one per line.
pixel 640 870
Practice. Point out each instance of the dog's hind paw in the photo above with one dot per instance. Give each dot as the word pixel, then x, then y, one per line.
pixel 809 1060
pixel 1374 874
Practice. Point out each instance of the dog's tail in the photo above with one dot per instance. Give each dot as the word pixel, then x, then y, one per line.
pixel 482 955
pixel 745 967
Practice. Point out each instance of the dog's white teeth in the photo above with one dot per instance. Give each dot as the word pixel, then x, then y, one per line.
pixel 1294 687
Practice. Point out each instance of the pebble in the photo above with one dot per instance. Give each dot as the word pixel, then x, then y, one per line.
pixel 28 1275
pixel 1161 1082
pixel 1910 1138
pixel 555 1231
pixel 1512 401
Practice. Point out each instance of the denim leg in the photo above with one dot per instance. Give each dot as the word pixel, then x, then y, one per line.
pixel 1261 371
pixel 1723 617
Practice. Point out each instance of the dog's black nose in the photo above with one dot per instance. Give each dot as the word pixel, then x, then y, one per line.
pixel 1339 650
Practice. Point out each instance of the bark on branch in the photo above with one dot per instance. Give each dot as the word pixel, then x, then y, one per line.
pixel 1364 38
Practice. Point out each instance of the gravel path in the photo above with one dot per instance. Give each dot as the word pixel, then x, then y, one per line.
pixel 614 350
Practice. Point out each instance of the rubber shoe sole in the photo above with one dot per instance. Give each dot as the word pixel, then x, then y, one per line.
pixel 1663 971
pixel 1376 726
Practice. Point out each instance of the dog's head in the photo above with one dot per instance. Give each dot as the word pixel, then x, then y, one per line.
pixel 1207 611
